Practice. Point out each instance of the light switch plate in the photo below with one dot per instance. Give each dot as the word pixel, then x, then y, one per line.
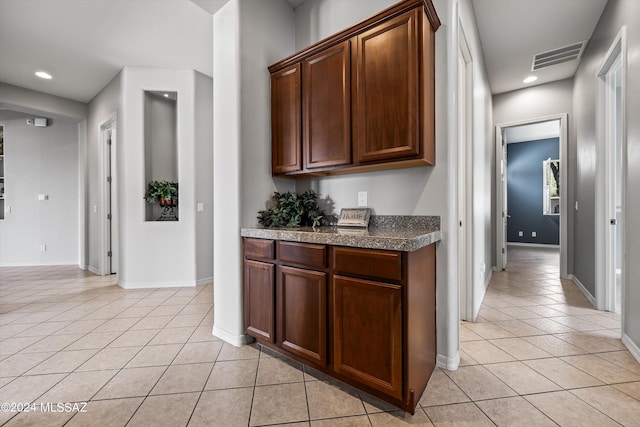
pixel 200 207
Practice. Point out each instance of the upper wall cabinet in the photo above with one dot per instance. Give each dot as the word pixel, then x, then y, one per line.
pixel 361 100
pixel 285 120
pixel 326 108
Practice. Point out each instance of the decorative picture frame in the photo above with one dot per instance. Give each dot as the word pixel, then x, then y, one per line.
pixel 354 217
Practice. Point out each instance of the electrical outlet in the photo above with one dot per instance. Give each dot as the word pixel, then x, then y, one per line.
pixel 520 234
pixel 362 199
pixel 43 248
pixel 534 234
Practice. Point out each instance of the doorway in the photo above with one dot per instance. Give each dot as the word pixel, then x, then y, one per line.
pixel 611 183
pixel 535 129
pixel 109 219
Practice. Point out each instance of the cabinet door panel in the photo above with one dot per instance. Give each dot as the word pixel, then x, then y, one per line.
pixel 302 308
pixel 368 333
pixel 259 298
pixel 388 90
pixel 285 120
pixel 327 107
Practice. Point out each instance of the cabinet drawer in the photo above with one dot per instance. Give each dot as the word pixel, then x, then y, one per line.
pixel 368 262
pixel 303 254
pixel 259 248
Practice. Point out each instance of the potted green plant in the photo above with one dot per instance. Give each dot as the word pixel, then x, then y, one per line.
pixel 165 193
pixel 293 210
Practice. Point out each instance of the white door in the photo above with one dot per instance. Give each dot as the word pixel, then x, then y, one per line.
pixel 610 181
pixel 614 184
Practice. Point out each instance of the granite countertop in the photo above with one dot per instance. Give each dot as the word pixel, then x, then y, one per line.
pixel 397 233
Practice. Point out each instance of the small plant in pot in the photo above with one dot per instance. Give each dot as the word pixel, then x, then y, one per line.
pixel 164 193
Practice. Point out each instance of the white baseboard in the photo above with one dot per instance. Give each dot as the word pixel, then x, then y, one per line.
pixel 37 264
pixel 488 281
pixel 94 270
pixel 231 338
pixel 152 285
pixel 631 346
pixel 448 363
pixel 584 290
pixel 533 245
pixel 478 302
pixel 204 281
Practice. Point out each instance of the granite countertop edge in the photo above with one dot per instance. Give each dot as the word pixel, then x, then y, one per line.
pixel 404 237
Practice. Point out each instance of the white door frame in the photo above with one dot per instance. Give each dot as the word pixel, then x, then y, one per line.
pixel 605 180
pixel 109 201
pixel 465 178
pixel 564 211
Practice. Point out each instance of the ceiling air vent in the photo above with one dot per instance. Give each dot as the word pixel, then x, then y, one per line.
pixel 558 56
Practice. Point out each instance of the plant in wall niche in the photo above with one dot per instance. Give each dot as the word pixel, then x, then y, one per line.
pixel 164 193
pixel 293 210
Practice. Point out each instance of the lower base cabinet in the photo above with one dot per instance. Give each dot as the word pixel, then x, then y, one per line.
pixel 259 286
pixel 363 316
pixel 367 333
pixel 302 313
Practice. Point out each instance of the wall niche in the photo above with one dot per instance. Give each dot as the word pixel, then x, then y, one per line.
pixel 161 152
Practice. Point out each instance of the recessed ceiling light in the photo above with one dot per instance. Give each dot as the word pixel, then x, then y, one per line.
pixel 166 95
pixel 43 75
pixel 530 79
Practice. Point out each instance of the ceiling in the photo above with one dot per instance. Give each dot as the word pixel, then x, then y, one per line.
pixel 85 43
pixel 513 31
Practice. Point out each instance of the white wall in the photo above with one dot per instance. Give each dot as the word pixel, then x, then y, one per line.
pixel 65 113
pixel 227 272
pixel 40 160
pixel 33 102
pixel 242 149
pixel 482 170
pixel 204 176
pixel 153 253
pixel 532 103
pixel 318 19
pixel 615 15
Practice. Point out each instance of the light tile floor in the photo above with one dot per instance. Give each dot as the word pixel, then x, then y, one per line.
pixel 538 355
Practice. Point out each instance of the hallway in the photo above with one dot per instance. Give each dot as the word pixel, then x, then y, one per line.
pixel 539 348
pixel 539 355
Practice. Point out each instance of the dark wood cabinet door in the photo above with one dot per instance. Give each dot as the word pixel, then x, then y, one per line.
pixel 259 298
pixel 388 90
pixel 285 120
pixel 326 114
pixel 302 313
pixel 367 334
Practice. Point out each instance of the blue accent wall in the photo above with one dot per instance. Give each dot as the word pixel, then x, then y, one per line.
pixel 524 192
